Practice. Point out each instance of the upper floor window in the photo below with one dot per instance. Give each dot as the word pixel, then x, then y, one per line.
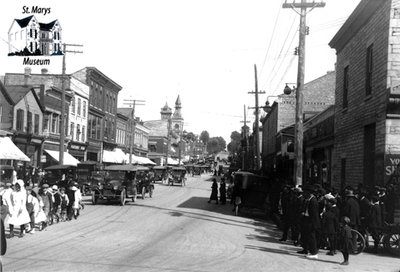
pixel 54 120
pixel 83 133
pixel 369 69
pixel 78 132
pixel 79 106
pixel 29 122
pixel 20 120
pixel 345 86
pixel 36 125
pixel 84 108
pixel 31 33
pixel 72 131
pixel 73 105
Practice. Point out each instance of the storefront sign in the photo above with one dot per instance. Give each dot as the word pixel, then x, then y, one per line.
pixel 392 168
pixel 77 147
pixel 43 158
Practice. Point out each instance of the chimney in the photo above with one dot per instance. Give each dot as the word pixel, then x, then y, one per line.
pixel 44 71
pixel 27 76
pixel 41 94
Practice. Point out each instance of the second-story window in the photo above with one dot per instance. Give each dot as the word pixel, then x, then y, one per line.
pixel 29 122
pixel 79 106
pixel 345 86
pixel 36 126
pixel 84 108
pixel 369 70
pixel 73 105
pixel 72 131
pixel 83 133
pixel 78 132
pixel 20 120
pixel 54 119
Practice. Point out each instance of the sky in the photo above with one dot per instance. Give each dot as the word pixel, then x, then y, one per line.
pixel 204 51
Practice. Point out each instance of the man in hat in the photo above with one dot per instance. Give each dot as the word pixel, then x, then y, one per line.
pixel 351 209
pixel 311 223
pixel 56 199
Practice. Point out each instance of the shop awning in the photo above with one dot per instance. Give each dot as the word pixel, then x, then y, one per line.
pixel 9 151
pixel 115 156
pixel 139 160
pixel 68 158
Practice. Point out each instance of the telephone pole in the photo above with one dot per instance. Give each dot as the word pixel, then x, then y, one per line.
pixel 303 5
pixel 62 126
pixel 244 141
pixel 257 125
pixel 132 103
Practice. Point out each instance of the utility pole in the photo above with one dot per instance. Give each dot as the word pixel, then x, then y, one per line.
pixel 62 126
pixel 257 127
pixel 168 140
pixel 132 103
pixel 244 150
pixel 298 134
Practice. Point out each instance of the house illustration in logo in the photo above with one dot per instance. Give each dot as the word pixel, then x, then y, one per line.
pixel 28 37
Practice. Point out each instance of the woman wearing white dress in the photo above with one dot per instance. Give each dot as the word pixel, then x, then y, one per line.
pixel 76 206
pixel 40 216
pixel 18 214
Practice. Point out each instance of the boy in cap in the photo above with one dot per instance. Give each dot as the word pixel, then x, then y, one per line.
pixel 345 239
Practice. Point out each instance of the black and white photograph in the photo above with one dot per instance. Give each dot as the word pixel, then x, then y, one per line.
pixel 200 136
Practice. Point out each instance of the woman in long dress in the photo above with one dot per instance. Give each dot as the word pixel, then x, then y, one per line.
pixel 40 216
pixel 214 191
pixel 18 214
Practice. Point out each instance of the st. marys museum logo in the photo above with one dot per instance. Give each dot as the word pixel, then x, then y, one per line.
pixel 29 37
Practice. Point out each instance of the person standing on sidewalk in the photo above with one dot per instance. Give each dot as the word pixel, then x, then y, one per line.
pixel 222 191
pixel 214 191
pixel 18 214
pixel 345 239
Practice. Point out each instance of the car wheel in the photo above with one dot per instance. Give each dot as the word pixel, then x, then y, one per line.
pixel 123 197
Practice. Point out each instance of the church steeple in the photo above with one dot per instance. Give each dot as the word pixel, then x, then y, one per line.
pixel 166 112
pixel 178 105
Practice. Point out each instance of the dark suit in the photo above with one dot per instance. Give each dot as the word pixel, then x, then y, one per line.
pixel 312 224
pixel 351 209
pixel 330 223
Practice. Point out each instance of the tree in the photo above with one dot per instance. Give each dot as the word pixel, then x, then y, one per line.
pixel 234 145
pixel 215 145
pixel 204 136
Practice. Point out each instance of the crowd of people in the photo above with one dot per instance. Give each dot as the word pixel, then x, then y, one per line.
pixel 322 218
pixel 32 207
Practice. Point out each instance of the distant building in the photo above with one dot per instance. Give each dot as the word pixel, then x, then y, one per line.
pixel 166 132
pixel 30 34
pixel 318 95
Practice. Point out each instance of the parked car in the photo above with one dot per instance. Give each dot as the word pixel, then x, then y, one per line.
pixel 59 175
pixel 120 183
pixel 88 173
pixel 178 175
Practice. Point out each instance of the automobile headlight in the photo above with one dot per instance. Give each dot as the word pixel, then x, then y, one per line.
pixel 115 187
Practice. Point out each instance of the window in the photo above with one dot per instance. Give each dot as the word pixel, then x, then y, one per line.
pixel 31 46
pixel 55 35
pixel 54 118
pixel 73 105
pixel 31 33
pixel 43 35
pixel 83 133
pixel 107 103
pixel 345 86
pixel 84 109
pixel 98 128
pixel 29 122
pixel 71 131
pixel 369 68
pixel 20 120
pixel 35 34
pixel 36 126
pixel 79 107
pixel 105 128
pixel 78 132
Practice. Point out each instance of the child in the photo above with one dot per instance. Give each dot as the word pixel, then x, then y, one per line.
pixel 345 239
pixel 64 203
pixel 40 216
pixel 329 227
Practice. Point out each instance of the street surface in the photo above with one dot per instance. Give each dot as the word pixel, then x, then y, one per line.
pixel 176 230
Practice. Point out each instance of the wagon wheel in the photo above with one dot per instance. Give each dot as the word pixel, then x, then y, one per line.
pixel 360 242
pixel 123 197
pixel 391 242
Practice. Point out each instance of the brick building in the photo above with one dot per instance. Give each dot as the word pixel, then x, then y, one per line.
pixel 318 95
pixel 102 116
pixel 367 112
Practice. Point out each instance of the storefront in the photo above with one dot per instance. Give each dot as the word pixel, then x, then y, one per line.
pixel 78 150
pixel 31 146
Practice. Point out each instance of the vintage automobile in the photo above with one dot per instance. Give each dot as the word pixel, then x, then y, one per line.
pixel 88 173
pixel 252 189
pixel 178 175
pixel 59 175
pixel 160 173
pixel 145 183
pixel 197 169
pixel 120 183
pixel 6 172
